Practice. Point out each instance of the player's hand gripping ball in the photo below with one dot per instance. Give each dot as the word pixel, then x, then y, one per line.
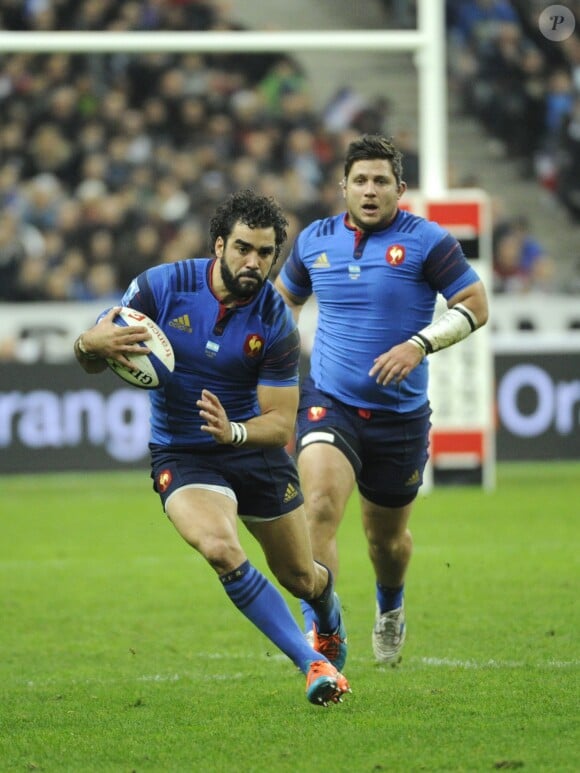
pixel 154 368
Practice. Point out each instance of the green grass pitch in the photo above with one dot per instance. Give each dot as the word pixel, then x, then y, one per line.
pixel 120 652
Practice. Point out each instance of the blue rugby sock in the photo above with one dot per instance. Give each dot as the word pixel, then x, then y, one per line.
pixel 389 598
pixel 266 608
pixel 308 615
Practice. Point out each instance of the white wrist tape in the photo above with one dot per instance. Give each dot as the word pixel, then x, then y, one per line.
pixel 452 326
pixel 239 433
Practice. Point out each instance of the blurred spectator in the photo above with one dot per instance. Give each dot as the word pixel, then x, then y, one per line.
pixel 12 254
pixel 189 240
pixel 504 95
pixel 559 100
pixel 567 162
pixel 282 79
pixel 42 198
pixel 102 283
pixel 405 140
pixel 139 251
pixel 342 109
pixel 473 22
pixel 402 13
pixel 49 152
pixel 520 262
pixel 301 157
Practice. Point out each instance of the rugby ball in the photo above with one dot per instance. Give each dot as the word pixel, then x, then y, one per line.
pixel 154 368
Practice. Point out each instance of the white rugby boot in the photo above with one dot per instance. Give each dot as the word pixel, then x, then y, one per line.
pixel 389 635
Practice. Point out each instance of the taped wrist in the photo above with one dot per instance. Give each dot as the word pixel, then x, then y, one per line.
pixel 452 326
pixel 239 433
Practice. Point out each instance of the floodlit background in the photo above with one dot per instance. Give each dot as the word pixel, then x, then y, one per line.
pixel 118 649
pixel 110 163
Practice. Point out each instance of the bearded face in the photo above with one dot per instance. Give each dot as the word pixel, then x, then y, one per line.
pixel 243 285
pixel 245 259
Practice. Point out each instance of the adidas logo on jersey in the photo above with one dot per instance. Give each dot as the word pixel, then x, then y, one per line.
pixel 321 261
pixel 181 323
pixel 291 493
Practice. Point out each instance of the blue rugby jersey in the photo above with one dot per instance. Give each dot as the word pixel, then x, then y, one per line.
pixel 228 351
pixel 374 290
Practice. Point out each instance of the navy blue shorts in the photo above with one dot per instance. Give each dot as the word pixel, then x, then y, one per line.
pixel 388 451
pixel 264 481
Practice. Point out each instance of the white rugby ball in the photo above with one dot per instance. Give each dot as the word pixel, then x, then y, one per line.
pixel 154 368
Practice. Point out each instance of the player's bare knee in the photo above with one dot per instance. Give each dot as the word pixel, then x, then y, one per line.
pixel 397 548
pixel 222 555
pixel 393 548
pixel 300 584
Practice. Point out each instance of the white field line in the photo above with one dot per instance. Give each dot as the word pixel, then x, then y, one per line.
pixel 489 664
pixel 416 662
pixel 409 664
pixel 413 663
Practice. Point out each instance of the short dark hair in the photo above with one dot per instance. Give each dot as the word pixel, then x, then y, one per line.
pixel 252 209
pixel 371 146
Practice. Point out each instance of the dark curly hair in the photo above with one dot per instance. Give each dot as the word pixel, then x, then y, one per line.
pixel 251 209
pixel 372 146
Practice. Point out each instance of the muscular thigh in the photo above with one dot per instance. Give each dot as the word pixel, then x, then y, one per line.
pixel 325 471
pixel 383 523
pixel 394 455
pixel 202 515
pixel 328 450
pixel 285 542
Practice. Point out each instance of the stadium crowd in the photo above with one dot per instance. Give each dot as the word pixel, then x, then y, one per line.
pixel 523 87
pixel 112 163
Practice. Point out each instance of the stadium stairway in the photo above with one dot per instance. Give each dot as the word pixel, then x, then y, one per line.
pixel 473 155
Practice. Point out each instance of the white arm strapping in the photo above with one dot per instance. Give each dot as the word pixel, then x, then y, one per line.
pixel 452 326
pixel 239 433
